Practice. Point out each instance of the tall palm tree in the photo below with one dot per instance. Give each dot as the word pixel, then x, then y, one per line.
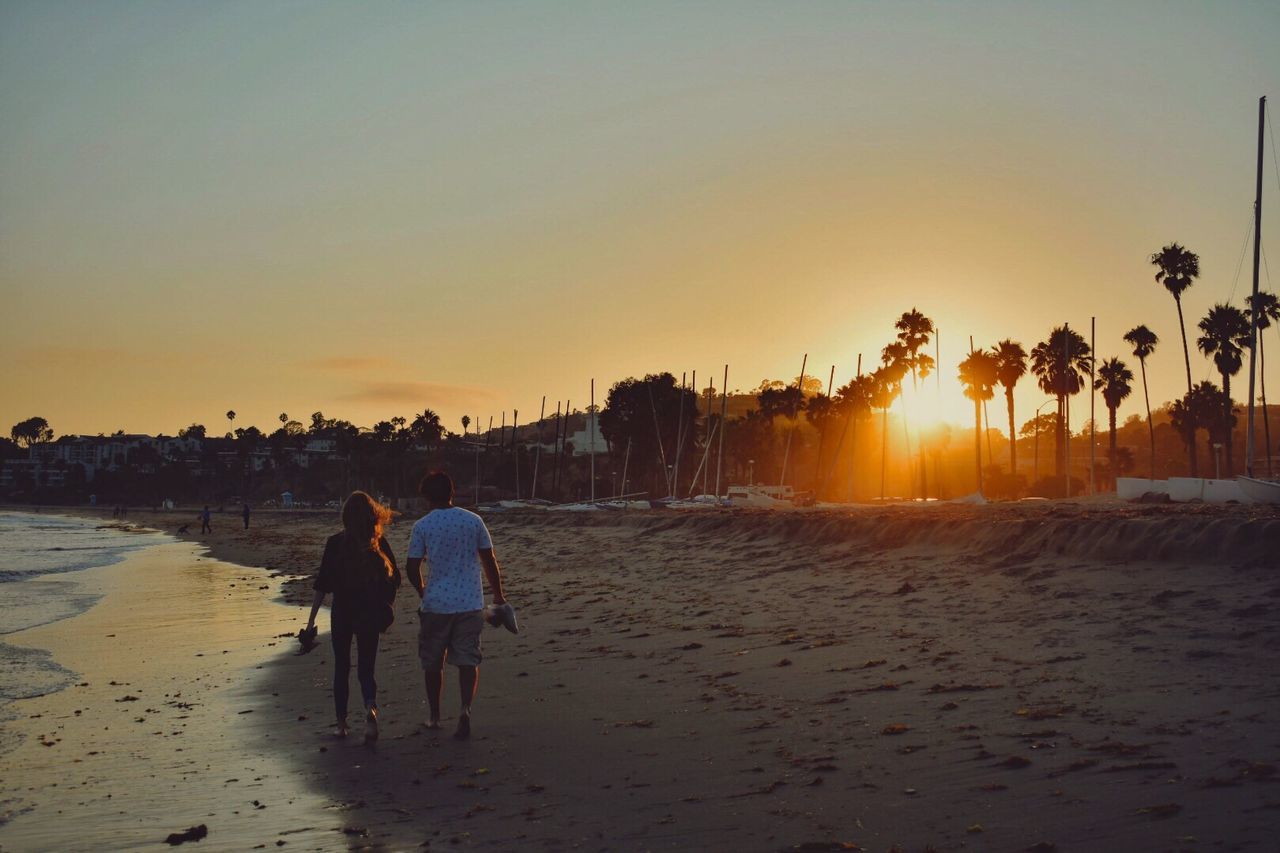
pixel 1177 268
pixel 979 373
pixel 1226 334
pixel 1144 342
pixel 284 418
pixel 1114 378
pixel 231 419
pixel 466 422
pixel 1060 363
pixel 914 332
pixel 1267 308
pixel 1011 365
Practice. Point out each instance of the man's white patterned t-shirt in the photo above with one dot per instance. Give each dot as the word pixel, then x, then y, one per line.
pixel 450 540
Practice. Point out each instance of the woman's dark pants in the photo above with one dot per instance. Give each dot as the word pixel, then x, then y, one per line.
pixel 366 656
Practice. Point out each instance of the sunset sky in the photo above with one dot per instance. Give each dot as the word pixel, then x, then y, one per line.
pixel 370 209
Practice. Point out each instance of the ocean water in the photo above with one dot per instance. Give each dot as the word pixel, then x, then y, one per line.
pixel 39 558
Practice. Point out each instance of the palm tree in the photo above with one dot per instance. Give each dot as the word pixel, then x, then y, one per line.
pixel 1060 363
pixel 426 427
pixel 914 331
pixel 1113 381
pixel 1266 308
pixel 1144 342
pixel 1011 365
pixel 284 418
pixel 466 422
pixel 1226 333
pixel 1177 269
pixel 979 373
pixel 231 418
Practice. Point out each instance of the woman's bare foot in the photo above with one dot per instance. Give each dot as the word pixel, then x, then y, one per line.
pixel 341 730
pixel 371 726
pixel 464 727
pixel 433 725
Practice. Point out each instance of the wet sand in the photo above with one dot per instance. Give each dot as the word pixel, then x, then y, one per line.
pixel 1066 676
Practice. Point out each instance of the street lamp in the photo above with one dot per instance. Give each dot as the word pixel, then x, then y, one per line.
pixel 1035 476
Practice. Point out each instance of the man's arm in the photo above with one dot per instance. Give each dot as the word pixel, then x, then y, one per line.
pixel 413 571
pixel 493 573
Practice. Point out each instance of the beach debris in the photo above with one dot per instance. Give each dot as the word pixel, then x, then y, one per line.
pixel 895 729
pixel 1016 762
pixel 194 833
pixel 128 698
pixel 1162 810
pixel 634 724
pixel 905 589
pixel 974 829
pixel 784 662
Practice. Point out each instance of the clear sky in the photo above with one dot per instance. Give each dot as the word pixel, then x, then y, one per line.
pixel 370 209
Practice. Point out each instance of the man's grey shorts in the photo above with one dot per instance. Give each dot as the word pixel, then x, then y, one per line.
pixel 449 636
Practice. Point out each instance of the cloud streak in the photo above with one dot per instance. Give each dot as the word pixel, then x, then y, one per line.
pixel 416 394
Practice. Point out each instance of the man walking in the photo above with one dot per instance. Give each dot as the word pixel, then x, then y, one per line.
pixel 205 519
pixel 458 551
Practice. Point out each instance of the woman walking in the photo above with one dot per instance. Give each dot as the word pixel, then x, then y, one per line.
pixel 360 571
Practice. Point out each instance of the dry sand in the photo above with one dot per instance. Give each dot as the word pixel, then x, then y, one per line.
pixel 1054 676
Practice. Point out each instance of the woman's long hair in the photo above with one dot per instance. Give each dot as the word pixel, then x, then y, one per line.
pixel 364 519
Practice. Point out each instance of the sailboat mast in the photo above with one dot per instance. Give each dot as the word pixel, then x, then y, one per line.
pixel 591 440
pixel 1253 304
pixel 724 409
pixel 542 414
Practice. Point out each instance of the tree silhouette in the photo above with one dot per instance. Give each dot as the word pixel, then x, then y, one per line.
pixel 885 388
pixel 1011 365
pixel 853 401
pixel 1144 342
pixel 650 413
pixel 466 422
pixel 1266 307
pixel 1226 333
pixel 1060 364
pixel 31 431
pixel 426 428
pixel 284 418
pixel 231 418
pixel 1114 378
pixel 1177 269
pixel 979 373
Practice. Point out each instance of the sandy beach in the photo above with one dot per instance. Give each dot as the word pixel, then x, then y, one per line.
pixel 1051 676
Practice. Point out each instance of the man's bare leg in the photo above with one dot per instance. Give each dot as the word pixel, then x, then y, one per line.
pixel 434 680
pixel 468 680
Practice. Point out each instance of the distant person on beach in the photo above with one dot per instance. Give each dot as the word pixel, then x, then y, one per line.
pixel 459 555
pixel 358 568
pixel 245 513
pixel 205 518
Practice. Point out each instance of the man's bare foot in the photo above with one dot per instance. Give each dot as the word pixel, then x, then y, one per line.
pixel 464 728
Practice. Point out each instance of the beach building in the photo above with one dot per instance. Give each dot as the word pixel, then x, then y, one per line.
pixel 582 439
